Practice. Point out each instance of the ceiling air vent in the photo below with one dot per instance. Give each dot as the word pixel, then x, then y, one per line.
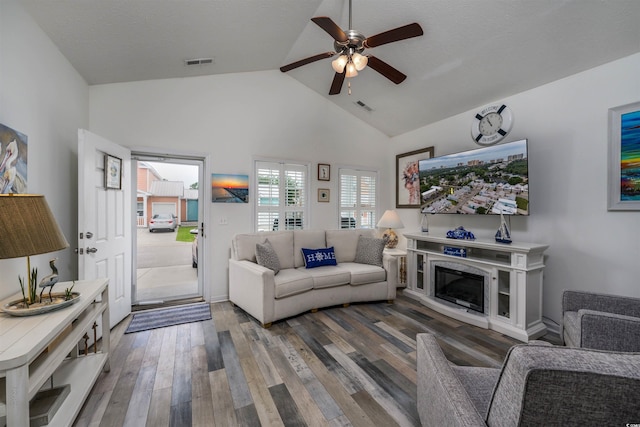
pixel 363 105
pixel 198 61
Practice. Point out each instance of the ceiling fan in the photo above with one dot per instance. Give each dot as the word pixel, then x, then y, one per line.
pixel 350 44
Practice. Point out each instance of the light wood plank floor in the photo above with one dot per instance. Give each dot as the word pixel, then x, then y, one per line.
pixel 343 366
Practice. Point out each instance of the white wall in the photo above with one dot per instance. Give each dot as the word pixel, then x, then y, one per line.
pixel 566 123
pixel 233 118
pixel 42 96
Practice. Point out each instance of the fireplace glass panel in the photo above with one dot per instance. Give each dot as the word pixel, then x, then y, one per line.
pixel 420 271
pixel 460 287
pixel 504 294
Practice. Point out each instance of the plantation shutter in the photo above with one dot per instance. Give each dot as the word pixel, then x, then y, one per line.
pixel 358 198
pixel 348 199
pixel 281 203
pixel 268 179
pixel 367 200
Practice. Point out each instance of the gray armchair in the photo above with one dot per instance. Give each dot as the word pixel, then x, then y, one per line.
pixel 599 321
pixel 538 384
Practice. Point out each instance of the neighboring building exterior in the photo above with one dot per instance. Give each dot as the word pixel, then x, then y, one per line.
pixel 156 195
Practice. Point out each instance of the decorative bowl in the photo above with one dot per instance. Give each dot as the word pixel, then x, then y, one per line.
pixel 57 301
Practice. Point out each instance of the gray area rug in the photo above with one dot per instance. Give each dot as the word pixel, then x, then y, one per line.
pixel 161 318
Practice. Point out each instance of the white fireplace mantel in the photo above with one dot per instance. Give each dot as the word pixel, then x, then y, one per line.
pixel 514 273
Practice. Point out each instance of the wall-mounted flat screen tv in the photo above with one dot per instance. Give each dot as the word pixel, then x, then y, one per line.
pixel 487 180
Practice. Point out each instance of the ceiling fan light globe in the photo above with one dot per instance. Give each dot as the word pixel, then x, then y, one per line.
pixel 339 63
pixel 351 70
pixel 360 61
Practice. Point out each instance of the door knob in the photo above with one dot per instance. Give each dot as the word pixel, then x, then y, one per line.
pixel 91 250
pixel 88 234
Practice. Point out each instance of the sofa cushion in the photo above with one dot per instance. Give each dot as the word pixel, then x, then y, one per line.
pixel 291 281
pixel 361 274
pixel 345 242
pixel 369 251
pixel 266 256
pixel 318 257
pixel 306 239
pixel 479 384
pixel 329 276
pixel 244 246
pixel 283 245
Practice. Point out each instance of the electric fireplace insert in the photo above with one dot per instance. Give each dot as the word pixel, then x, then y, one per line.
pixel 460 287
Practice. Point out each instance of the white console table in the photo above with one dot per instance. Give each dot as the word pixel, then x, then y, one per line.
pixel 514 289
pixel 34 349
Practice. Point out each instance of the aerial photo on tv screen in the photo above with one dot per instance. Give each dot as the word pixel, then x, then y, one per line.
pixel 488 180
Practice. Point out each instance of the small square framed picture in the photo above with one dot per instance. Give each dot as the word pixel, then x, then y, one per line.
pixel 324 172
pixel 112 172
pixel 323 194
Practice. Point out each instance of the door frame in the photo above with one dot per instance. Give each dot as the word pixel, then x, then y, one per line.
pixel 204 207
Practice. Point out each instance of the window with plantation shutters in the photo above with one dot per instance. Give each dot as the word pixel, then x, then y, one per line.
pixel 358 198
pixel 281 201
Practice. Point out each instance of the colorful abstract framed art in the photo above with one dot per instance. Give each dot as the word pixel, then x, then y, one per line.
pixel 624 158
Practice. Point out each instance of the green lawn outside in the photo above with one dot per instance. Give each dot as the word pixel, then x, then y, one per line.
pixel 183 234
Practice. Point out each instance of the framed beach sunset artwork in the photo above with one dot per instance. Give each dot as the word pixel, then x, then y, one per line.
pixel 624 157
pixel 408 177
pixel 228 188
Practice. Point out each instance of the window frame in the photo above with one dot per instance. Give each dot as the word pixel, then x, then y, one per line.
pixel 359 172
pixel 281 208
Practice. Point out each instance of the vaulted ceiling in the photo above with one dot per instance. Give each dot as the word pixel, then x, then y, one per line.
pixel 472 52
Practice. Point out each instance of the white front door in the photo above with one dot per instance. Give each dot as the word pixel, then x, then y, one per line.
pixel 104 219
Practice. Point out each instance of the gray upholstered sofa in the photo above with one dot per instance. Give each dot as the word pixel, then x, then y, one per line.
pixel 268 295
pixel 599 321
pixel 539 385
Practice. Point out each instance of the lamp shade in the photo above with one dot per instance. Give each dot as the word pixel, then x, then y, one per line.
pixel 360 61
pixel 390 219
pixel 339 63
pixel 351 70
pixel 27 226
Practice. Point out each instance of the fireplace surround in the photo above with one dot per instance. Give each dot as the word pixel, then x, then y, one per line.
pixel 511 277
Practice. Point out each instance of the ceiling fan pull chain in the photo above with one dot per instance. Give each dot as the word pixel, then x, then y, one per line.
pixel 349 85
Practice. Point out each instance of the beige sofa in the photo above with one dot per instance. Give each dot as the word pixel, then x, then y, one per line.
pixel 268 296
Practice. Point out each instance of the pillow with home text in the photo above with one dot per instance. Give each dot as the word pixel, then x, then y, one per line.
pixel 319 257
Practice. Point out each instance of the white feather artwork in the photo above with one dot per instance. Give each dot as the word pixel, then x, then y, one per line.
pixel 13 161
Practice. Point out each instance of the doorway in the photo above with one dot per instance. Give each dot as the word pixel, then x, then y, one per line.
pixel 168 230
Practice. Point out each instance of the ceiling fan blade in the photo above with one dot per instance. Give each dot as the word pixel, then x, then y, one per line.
pixel 336 85
pixel 386 70
pixel 306 61
pixel 400 33
pixel 331 27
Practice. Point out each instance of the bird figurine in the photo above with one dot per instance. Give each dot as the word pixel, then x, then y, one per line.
pixel 50 280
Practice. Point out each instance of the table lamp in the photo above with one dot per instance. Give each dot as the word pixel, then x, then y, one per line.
pixel 390 220
pixel 27 227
